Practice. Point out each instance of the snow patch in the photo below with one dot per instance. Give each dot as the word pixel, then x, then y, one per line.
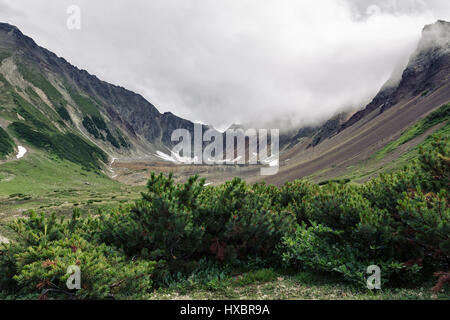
pixel 22 152
pixel 175 158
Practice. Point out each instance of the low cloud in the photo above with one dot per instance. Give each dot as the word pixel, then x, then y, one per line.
pixel 236 61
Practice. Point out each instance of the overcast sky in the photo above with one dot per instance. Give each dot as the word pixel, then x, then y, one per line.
pixel 236 61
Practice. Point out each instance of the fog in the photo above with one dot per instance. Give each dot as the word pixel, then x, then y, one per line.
pixel 221 62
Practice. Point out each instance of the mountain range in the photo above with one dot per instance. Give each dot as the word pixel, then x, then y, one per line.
pixel 51 106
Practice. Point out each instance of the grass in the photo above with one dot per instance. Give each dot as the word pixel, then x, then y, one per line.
pixel 31 114
pixel 267 284
pixel 37 182
pixel 38 80
pixel 439 116
pixel 85 104
pixel 67 146
pixel 6 144
pixel 412 154
pixel 41 133
pixel 367 169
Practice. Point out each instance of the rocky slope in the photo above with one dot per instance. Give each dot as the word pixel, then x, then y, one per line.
pixel 37 87
pixel 344 144
pixel 428 70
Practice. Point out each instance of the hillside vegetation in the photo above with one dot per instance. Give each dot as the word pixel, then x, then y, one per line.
pixel 189 235
pixel 441 115
pixel 6 144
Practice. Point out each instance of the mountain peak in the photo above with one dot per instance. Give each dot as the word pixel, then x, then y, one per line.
pixel 435 35
pixel 438 25
pixel 7 27
pixel 11 38
pixel 427 70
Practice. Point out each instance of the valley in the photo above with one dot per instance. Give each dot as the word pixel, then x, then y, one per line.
pixel 57 121
pixel 83 180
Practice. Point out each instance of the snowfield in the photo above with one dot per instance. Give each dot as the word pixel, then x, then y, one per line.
pixel 21 153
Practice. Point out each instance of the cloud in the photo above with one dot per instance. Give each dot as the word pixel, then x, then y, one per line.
pixel 237 61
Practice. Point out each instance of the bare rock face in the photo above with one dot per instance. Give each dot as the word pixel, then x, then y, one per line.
pixel 429 66
pixel 428 69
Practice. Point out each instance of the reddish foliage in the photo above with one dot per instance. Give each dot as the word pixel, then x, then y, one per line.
pixel 218 248
pixel 47 263
pixel 443 278
pixel 411 263
pixel 43 297
pixel 42 284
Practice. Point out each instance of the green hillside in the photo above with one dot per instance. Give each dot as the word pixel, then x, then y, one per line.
pixel 6 144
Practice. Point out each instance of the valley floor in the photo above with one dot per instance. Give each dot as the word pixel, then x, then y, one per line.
pixel 37 182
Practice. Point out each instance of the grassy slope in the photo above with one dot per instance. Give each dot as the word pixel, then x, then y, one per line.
pixel 439 116
pixel 62 170
pixel 368 169
pixel 41 183
pixel 6 144
pixel 42 127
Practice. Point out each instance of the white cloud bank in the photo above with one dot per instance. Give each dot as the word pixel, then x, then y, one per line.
pixel 236 61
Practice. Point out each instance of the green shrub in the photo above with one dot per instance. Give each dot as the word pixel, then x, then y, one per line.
pixel 91 128
pixel 38 80
pixel 104 271
pixel 112 139
pixel 425 225
pixel 242 221
pixel 435 164
pixel 31 114
pixel 383 192
pixel 262 275
pixel 67 146
pixel 35 266
pixel 161 225
pixel 389 222
pixel 6 144
pixel 62 111
pixel 95 125
pixel 295 197
pixel 99 122
pixel 183 223
pixel 122 140
pixel 320 249
pixel 197 234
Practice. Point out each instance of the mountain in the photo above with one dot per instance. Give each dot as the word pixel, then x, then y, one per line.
pixel 395 121
pixel 316 134
pixel 50 104
pixel 428 70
